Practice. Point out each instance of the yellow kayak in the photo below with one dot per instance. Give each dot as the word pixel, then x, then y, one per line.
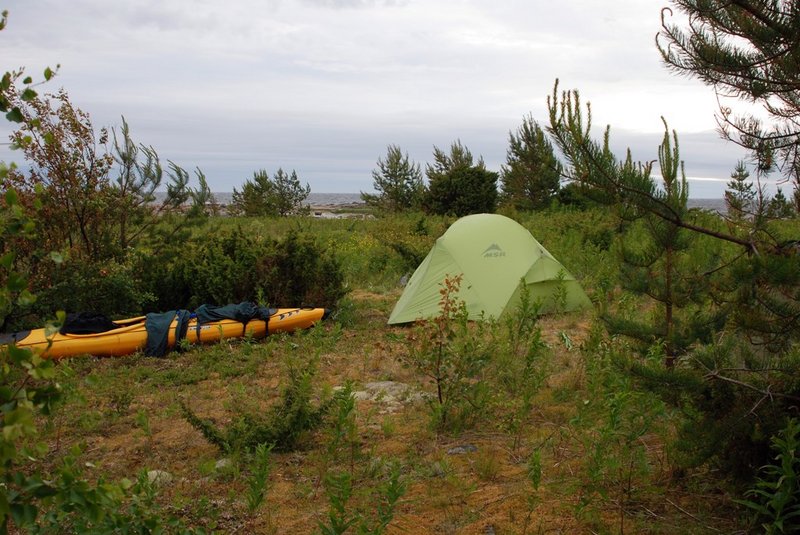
pixel 131 335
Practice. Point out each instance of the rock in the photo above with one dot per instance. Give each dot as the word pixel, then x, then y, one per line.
pixel 159 478
pixel 460 450
pixel 387 389
pixel 362 395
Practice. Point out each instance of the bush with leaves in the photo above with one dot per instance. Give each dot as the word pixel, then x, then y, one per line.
pixel 115 291
pixel 342 483
pixel 458 186
pixel 300 273
pixel 84 211
pixel 340 487
pixel 92 220
pixel 454 354
pixel 64 500
pixel 219 270
pixel 615 423
pixel 234 266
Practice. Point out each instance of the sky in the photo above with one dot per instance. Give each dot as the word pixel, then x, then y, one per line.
pixel 322 87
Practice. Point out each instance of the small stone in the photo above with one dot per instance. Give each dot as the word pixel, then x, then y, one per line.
pixel 361 395
pixel 460 450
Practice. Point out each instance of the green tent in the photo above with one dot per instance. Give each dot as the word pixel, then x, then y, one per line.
pixel 494 254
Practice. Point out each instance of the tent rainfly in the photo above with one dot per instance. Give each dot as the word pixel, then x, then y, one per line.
pixel 495 255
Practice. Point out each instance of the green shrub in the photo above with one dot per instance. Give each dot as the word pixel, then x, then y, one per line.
pixel 724 423
pixel 613 422
pixel 109 288
pixel 258 482
pixel 339 488
pixel 70 504
pixel 235 266
pixel 463 191
pixel 454 354
pixel 282 427
pixel 299 272
pixel 222 269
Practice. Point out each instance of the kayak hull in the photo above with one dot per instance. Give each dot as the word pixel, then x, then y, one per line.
pixel 131 336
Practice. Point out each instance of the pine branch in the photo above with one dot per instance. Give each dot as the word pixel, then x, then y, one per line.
pixel 715 375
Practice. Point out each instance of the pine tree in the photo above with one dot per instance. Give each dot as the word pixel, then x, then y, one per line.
pixel 398 181
pixel 740 194
pixel 779 206
pixel 746 49
pixel 657 262
pixel 736 389
pixel 288 195
pixel 140 174
pixel 253 200
pixel 532 175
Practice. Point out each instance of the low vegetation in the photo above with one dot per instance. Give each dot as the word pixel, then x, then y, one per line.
pixel 521 425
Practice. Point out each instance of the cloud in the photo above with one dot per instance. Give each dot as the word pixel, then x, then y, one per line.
pixel 345 4
pixel 323 86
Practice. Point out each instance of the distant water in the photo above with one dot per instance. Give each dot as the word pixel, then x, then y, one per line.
pixel 715 205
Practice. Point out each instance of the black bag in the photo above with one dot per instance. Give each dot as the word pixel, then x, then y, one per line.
pixel 87 323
